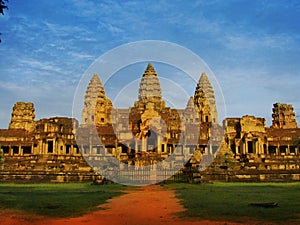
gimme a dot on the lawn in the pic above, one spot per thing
(56, 200)
(230, 201)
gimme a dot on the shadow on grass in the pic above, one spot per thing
(57, 200)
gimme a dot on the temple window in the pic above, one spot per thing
(15, 150)
(50, 146)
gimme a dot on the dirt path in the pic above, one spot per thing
(149, 205)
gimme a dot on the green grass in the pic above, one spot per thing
(230, 201)
(56, 200)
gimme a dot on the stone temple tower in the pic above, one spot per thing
(150, 119)
(150, 90)
(204, 99)
(23, 116)
(283, 116)
(97, 106)
(149, 86)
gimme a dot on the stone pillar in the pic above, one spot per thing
(158, 145)
(44, 146)
(278, 150)
(32, 149)
(256, 149)
(55, 150)
(9, 151)
(210, 150)
(20, 150)
(287, 152)
(246, 147)
(144, 144)
(136, 146)
(237, 150)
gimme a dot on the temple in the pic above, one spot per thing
(241, 149)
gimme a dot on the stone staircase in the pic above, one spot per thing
(254, 168)
(46, 168)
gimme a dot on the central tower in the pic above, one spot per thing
(150, 86)
(151, 121)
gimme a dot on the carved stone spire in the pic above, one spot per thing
(95, 100)
(191, 112)
(204, 99)
(149, 86)
(23, 116)
(190, 105)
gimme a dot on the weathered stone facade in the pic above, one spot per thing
(253, 152)
(283, 116)
(23, 116)
(149, 132)
(41, 151)
(250, 136)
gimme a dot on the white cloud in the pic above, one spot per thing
(44, 66)
(250, 41)
(81, 55)
(63, 30)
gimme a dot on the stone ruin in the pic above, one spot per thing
(283, 116)
(55, 149)
(23, 116)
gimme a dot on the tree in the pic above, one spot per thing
(3, 6)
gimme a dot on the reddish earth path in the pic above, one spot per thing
(149, 205)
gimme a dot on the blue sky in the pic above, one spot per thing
(253, 48)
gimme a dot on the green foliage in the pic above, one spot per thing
(56, 200)
(227, 160)
(230, 201)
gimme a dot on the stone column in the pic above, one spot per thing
(55, 150)
(45, 147)
(210, 149)
(136, 146)
(10, 152)
(237, 150)
(158, 145)
(278, 150)
(32, 149)
(20, 150)
(41, 147)
(90, 150)
(144, 143)
(287, 152)
(246, 147)
(256, 149)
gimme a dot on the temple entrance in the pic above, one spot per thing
(250, 147)
(152, 141)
